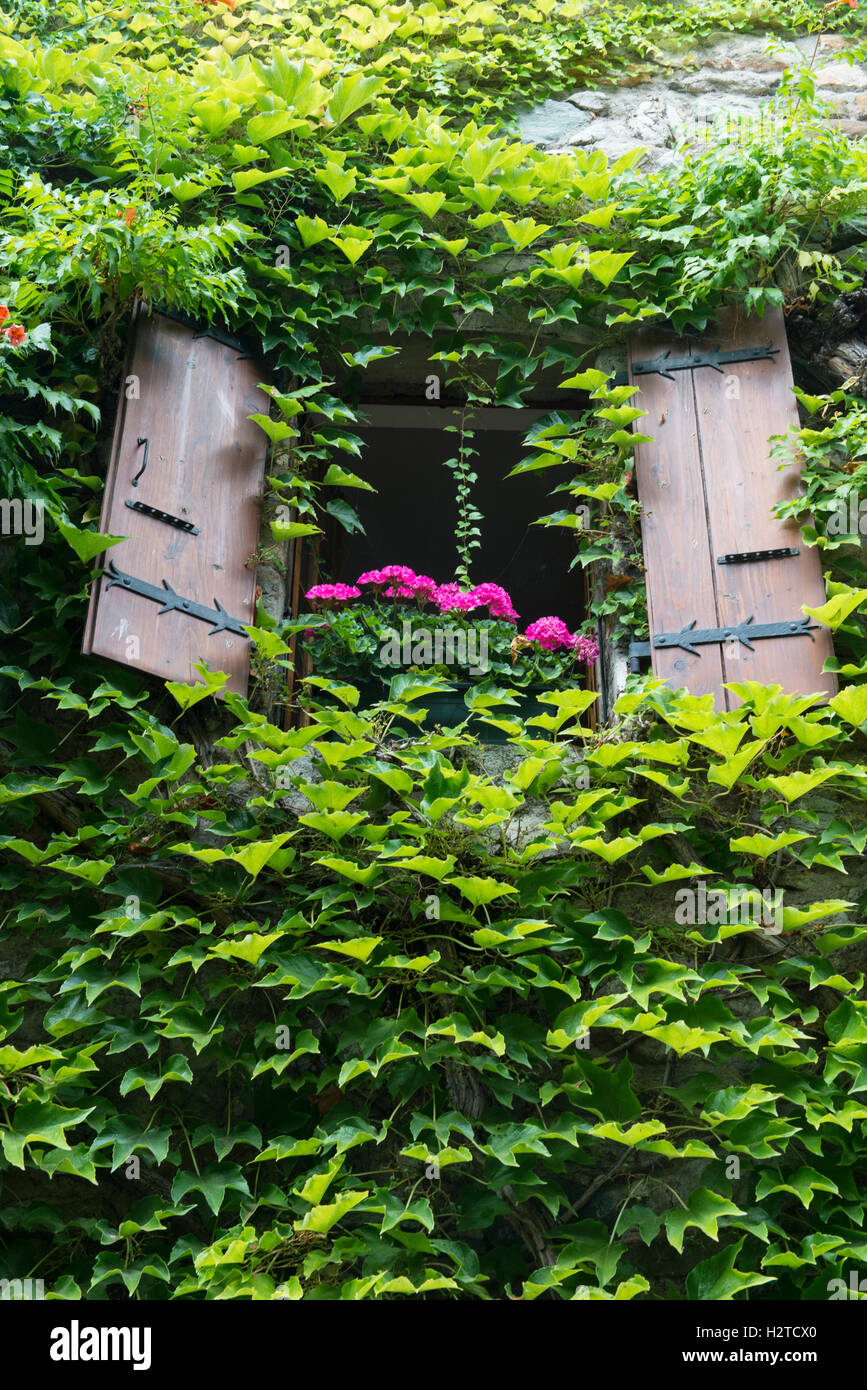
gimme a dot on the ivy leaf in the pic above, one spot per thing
(351, 93)
(704, 1210)
(340, 182)
(334, 824)
(360, 948)
(269, 125)
(339, 477)
(248, 948)
(762, 846)
(352, 247)
(213, 1183)
(481, 890)
(427, 203)
(176, 1068)
(35, 1122)
(312, 230)
(851, 703)
(605, 265)
(86, 544)
(291, 530)
(249, 178)
(590, 380)
(425, 864)
(797, 784)
(716, 1280)
(803, 1184)
(322, 1218)
(189, 695)
(835, 612)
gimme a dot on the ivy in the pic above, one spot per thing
(330, 1011)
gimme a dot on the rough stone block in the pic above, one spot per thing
(856, 130)
(841, 76)
(590, 101)
(739, 82)
(552, 123)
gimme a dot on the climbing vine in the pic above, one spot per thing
(330, 1011)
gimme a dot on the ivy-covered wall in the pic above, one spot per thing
(403, 1020)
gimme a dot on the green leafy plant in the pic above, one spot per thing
(329, 1010)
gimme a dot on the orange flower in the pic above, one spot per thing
(835, 4)
(4, 313)
(15, 334)
(129, 216)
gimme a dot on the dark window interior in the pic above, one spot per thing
(410, 520)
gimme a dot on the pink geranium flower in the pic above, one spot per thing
(496, 600)
(451, 598)
(553, 634)
(398, 581)
(423, 587)
(332, 593)
(585, 648)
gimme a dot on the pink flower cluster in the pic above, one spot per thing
(338, 593)
(401, 582)
(553, 634)
(451, 598)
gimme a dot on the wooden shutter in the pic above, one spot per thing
(178, 589)
(707, 485)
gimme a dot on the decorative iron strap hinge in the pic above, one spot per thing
(690, 637)
(244, 350)
(665, 364)
(170, 601)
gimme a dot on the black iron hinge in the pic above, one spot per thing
(746, 632)
(665, 364)
(206, 330)
(170, 601)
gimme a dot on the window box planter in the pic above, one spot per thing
(406, 624)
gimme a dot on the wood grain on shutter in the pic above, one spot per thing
(206, 463)
(707, 485)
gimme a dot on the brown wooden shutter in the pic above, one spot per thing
(707, 485)
(180, 584)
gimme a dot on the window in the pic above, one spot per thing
(410, 519)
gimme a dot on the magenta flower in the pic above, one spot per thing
(399, 581)
(423, 587)
(373, 577)
(585, 648)
(497, 601)
(553, 634)
(451, 598)
(332, 593)
(401, 574)
(377, 579)
(550, 633)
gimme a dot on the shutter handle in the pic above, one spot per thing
(146, 442)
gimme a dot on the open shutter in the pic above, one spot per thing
(184, 485)
(707, 485)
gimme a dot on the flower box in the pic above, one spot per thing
(407, 623)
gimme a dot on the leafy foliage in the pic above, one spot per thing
(326, 1012)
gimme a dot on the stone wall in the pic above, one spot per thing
(730, 81)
